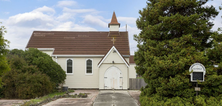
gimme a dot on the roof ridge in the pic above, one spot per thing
(114, 20)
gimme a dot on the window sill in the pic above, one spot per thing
(89, 74)
(69, 74)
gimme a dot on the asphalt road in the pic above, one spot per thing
(114, 98)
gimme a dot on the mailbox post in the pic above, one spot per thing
(198, 74)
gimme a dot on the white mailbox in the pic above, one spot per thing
(198, 73)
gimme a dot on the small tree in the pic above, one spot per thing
(3, 50)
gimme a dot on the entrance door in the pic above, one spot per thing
(113, 79)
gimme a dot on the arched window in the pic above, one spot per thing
(88, 66)
(69, 66)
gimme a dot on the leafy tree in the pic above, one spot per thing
(46, 65)
(174, 35)
(43, 62)
(3, 50)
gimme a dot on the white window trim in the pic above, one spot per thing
(86, 67)
(72, 66)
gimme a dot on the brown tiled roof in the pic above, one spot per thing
(114, 20)
(131, 59)
(79, 43)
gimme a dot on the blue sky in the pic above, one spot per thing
(22, 17)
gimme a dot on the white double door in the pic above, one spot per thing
(113, 79)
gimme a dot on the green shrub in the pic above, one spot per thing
(18, 84)
(25, 81)
(200, 100)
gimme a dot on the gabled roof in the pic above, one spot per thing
(102, 60)
(79, 43)
(114, 20)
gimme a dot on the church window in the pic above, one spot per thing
(69, 67)
(89, 66)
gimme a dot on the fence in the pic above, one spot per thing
(136, 83)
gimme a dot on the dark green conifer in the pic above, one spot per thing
(174, 35)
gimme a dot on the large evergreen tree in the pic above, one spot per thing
(3, 50)
(174, 35)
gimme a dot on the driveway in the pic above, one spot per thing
(114, 98)
(100, 98)
(11, 102)
(92, 94)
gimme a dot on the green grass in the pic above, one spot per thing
(71, 91)
(35, 101)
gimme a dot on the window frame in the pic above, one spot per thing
(86, 67)
(72, 66)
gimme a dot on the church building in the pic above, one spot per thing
(91, 60)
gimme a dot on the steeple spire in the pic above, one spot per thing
(114, 20)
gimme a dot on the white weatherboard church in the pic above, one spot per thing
(91, 60)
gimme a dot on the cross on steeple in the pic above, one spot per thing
(113, 40)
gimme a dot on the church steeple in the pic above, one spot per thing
(114, 24)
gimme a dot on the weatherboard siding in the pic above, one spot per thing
(132, 71)
(79, 78)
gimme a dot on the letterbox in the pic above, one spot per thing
(198, 73)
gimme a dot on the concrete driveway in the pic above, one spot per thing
(92, 94)
(100, 98)
(114, 98)
(11, 102)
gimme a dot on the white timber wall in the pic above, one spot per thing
(132, 71)
(79, 78)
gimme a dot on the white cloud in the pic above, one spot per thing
(36, 18)
(1, 20)
(18, 36)
(66, 3)
(94, 21)
(82, 28)
(70, 26)
(45, 9)
(79, 10)
(65, 16)
(127, 20)
(67, 26)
